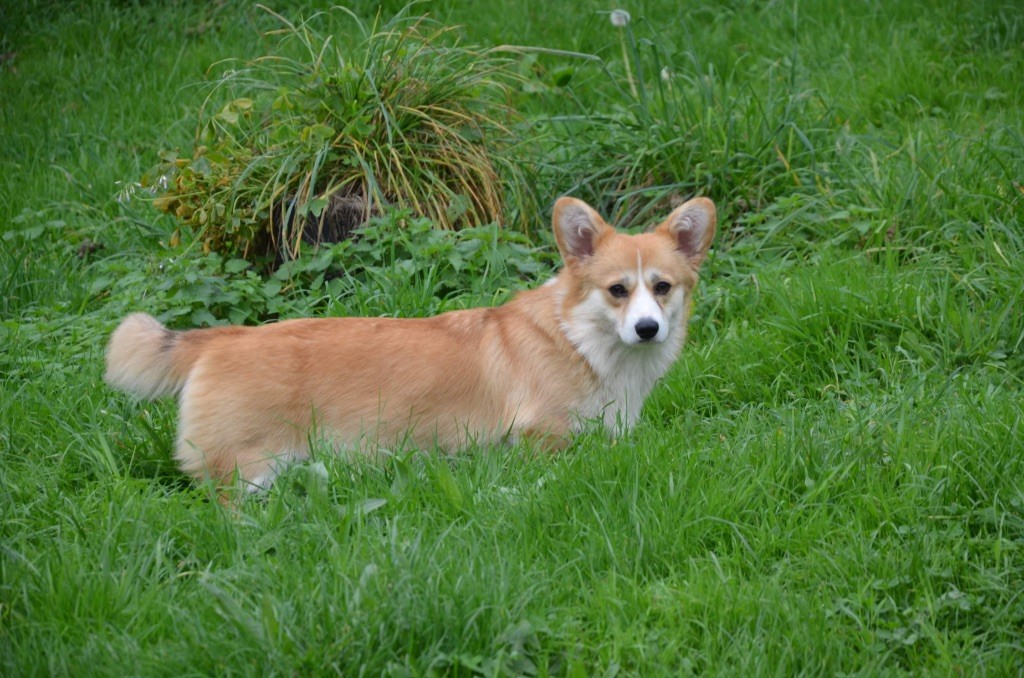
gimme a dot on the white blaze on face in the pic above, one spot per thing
(643, 311)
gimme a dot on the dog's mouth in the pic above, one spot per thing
(636, 340)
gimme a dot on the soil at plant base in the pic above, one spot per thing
(343, 214)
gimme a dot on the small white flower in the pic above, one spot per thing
(127, 191)
(619, 17)
(666, 75)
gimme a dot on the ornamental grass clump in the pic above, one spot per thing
(313, 140)
(669, 125)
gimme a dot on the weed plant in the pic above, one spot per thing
(676, 127)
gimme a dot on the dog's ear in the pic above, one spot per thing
(578, 229)
(692, 226)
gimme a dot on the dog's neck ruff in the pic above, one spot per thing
(625, 373)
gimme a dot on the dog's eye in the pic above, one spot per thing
(618, 291)
(662, 287)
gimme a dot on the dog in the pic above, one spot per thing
(588, 344)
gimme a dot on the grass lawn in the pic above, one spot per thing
(830, 481)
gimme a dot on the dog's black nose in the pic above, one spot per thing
(646, 329)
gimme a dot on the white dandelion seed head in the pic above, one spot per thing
(619, 17)
(666, 74)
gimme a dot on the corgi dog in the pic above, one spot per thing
(588, 344)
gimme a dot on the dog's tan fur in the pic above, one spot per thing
(249, 396)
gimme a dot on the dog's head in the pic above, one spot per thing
(639, 285)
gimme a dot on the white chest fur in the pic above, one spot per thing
(626, 373)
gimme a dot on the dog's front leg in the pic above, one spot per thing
(550, 436)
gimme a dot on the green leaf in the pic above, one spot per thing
(314, 206)
(24, 234)
(100, 284)
(228, 116)
(236, 265)
(446, 482)
(272, 287)
(203, 317)
(321, 261)
(364, 507)
(458, 206)
(201, 166)
(360, 128)
(317, 132)
(562, 76)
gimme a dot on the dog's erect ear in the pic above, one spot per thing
(692, 226)
(578, 229)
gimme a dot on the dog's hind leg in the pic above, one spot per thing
(226, 439)
(254, 468)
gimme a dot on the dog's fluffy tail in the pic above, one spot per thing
(144, 358)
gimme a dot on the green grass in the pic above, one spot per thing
(831, 480)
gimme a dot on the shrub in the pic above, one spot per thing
(311, 142)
